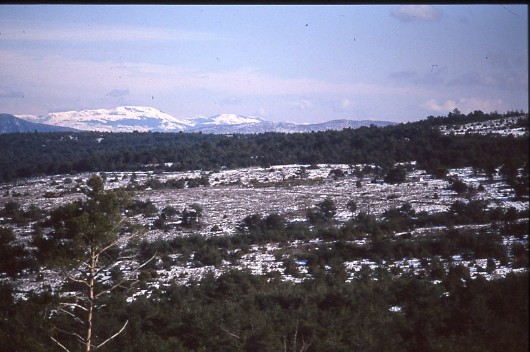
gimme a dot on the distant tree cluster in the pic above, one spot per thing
(456, 117)
(28, 155)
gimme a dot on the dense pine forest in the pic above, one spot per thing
(242, 312)
(432, 309)
(35, 154)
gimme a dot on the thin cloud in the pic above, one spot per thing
(465, 105)
(302, 104)
(433, 105)
(473, 79)
(10, 93)
(345, 103)
(499, 59)
(510, 80)
(231, 101)
(29, 31)
(117, 93)
(433, 77)
(56, 76)
(416, 13)
(261, 112)
(341, 105)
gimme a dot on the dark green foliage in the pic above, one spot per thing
(81, 226)
(242, 312)
(147, 208)
(352, 206)
(399, 219)
(27, 155)
(396, 175)
(520, 254)
(191, 216)
(82, 242)
(323, 213)
(14, 257)
(13, 213)
(256, 229)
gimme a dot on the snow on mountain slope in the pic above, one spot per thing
(223, 119)
(120, 119)
(285, 127)
(142, 119)
(12, 124)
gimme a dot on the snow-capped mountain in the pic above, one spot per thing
(120, 119)
(262, 126)
(223, 119)
(12, 124)
(143, 119)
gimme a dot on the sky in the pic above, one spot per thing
(297, 63)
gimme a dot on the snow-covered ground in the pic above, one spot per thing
(504, 126)
(289, 190)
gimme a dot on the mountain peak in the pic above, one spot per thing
(144, 118)
(227, 119)
(120, 119)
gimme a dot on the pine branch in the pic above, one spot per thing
(229, 333)
(70, 277)
(75, 317)
(79, 338)
(57, 342)
(113, 336)
(119, 284)
(74, 305)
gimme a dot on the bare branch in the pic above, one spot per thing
(74, 305)
(70, 277)
(146, 262)
(75, 317)
(57, 342)
(82, 340)
(119, 284)
(113, 336)
(305, 346)
(85, 264)
(129, 257)
(229, 333)
(112, 243)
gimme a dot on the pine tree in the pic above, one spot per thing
(83, 243)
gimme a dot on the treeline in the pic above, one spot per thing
(238, 311)
(455, 117)
(389, 237)
(242, 312)
(36, 154)
(338, 246)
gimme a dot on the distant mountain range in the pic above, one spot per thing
(12, 124)
(143, 119)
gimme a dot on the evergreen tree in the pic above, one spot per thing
(82, 244)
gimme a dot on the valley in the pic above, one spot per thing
(197, 242)
(290, 191)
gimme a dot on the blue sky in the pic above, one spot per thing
(283, 63)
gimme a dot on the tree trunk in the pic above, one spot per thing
(91, 273)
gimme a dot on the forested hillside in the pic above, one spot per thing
(27, 155)
(243, 312)
(404, 238)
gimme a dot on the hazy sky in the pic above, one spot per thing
(291, 63)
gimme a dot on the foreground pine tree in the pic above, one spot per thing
(84, 243)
